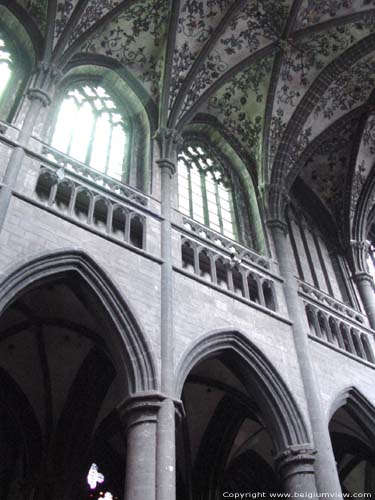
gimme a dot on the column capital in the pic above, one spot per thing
(277, 199)
(362, 276)
(278, 224)
(143, 407)
(167, 166)
(46, 75)
(296, 459)
(359, 244)
(39, 95)
(169, 141)
(359, 251)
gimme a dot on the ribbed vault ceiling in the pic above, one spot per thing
(290, 81)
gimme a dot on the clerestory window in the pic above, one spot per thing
(91, 129)
(205, 191)
(6, 64)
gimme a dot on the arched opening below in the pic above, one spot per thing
(223, 444)
(57, 346)
(354, 452)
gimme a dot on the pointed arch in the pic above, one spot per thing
(126, 336)
(28, 33)
(24, 48)
(358, 407)
(276, 402)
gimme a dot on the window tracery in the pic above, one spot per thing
(90, 128)
(205, 191)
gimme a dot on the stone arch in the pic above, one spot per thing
(352, 433)
(276, 402)
(23, 40)
(358, 406)
(135, 358)
(31, 36)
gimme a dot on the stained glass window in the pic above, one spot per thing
(94, 480)
(205, 192)
(90, 129)
(5, 67)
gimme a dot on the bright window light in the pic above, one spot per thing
(5, 67)
(204, 190)
(90, 129)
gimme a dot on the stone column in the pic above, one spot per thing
(359, 254)
(139, 415)
(168, 141)
(365, 287)
(325, 466)
(296, 469)
(39, 96)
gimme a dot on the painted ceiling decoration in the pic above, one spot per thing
(136, 39)
(313, 12)
(275, 74)
(365, 160)
(326, 171)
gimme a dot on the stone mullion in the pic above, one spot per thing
(218, 204)
(317, 326)
(52, 195)
(206, 214)
(245, 284)
(360, 344)
(191, 207)
(262, 299)
(353, 350)
(340, 340)
(108, 226)
(328, 329)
